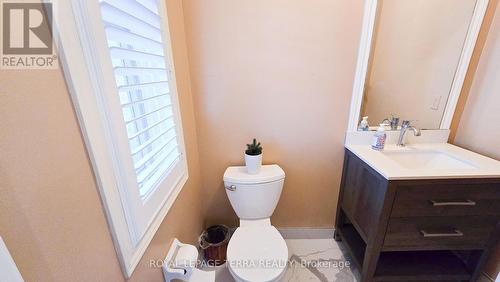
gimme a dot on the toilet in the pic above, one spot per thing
(256, 252)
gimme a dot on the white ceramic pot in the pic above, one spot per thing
(253, 163)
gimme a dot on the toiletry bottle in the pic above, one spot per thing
(378, 142)
(363, 125)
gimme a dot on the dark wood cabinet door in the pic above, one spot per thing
(447, 198)
(439, 233)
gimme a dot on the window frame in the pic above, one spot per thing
(89, 77)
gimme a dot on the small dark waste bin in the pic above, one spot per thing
(213, 241)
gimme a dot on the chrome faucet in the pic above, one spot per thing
(404, 127)
(393, 122)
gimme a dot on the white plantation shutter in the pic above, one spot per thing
(117, 60)
(142, 75)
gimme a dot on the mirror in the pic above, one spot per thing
(416, 50)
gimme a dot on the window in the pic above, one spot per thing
(122, 80)
(135, 44)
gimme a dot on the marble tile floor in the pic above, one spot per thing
(315, 260)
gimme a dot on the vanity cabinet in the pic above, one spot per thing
(416, 230)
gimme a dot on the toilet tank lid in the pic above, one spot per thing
(239, 174)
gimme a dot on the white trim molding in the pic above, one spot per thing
(365, 47)
(369, 19)
(8, 267)
(88, 75)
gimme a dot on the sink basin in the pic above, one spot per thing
(418, 159)
(426, 161)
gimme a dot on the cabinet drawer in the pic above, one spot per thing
(421, 233)
(455, 199)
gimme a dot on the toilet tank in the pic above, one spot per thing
(254, 196)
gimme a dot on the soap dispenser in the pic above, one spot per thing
(363, 125)
(378, 142)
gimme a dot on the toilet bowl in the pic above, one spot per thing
(256, 252)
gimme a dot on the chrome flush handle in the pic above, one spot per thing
(231, 188)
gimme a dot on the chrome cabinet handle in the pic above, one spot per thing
(452, 203)
(455, 233)
(231, 188)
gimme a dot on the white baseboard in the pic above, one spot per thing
(306, 233)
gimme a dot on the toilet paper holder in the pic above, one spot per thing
(180, 263)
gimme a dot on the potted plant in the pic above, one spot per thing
(253, 157)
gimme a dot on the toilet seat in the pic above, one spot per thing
(257, 254)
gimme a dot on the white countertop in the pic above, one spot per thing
(480, 166)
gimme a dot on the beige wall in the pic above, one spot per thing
(416, 49)
(280, 71)
(51, 216)
(479, 126)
